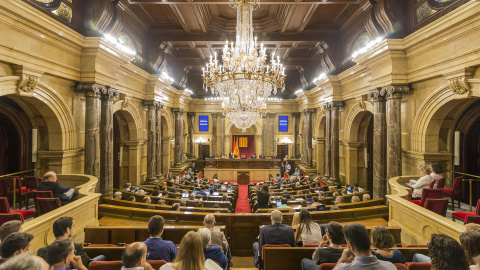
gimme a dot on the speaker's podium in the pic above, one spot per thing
(243, 177)
(243, 170)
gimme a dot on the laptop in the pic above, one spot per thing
(216, 193)
(229, 190)
(223, 187)
(195, 192)
(185, 195)
(279, 203)
(214, 186)
(321, 207)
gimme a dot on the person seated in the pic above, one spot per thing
(366, 197)
(356, 190)
(262, 156)
(127, 187)
(253, 156)
(176, 207)
(50, 183)
(275, 234)
(359, 188)
(333, 238)
(61, 255)
(134, 257)
(191, 197)
(159, 249)
(63, 229)
(213, 253)
(470, 242)
(15, 244)
(286, 158)
(334, 207)
(296, 172)
(10, 227)
(25, 261)
(132, 198)
(243, 156)
(315, 201)
(383, 242)
(117, 195)
(308, 231)
(147, 199)
(445, 253)
(156, 191)
(339, 200)
(217, 237)
(355, 199)
(423, 182)
(358, 254)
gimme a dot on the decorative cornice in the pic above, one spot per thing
(376, 95)
(90, 89)
(297, 114)
(29, 79)
(178, 111)
(152, 104)
(271, 115)
(309, 111)
(337, 104)
(327, 106)
(108, 93)
(459, 85)
(394, 91)
(361, 103)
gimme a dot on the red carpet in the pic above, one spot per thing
(242, 203)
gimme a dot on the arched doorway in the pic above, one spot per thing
(166, 144)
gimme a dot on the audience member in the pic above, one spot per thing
(25, 261)
(470, 227)
(308, 231)
(339, 200)
(176, 207)
(127, 187)
(50, 183)
(446, 253)
(134, 257)
(276, 234)
(366, 197)
(191, 255)
(334, 207)
(61, 255)
(423, 182)
(315, 201)
(213, 253)
(470, 242)
(159, 249)
(383, 242)
(117, 195)
(148, 200)
(355, 199)
(358, 254)
(10, 227)
(63, 229)
(15, 244)
(436, 172)
(132, 198)
(359, 188)
(331, 254)
(218, 237)
(263, 197)
(284, 203)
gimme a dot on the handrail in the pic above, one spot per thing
(15, 173)
(466, 174)
(14, 184)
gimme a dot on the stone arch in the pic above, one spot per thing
(133, 118)
(320, 124)
(166, 113)
(354, 120)
(431, 129)
(55, 111)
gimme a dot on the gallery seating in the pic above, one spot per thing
(463, 215)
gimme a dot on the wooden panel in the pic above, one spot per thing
(121, 236)
(99, 236)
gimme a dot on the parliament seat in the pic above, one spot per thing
(428, 193)
(454, 192)
(5, 209)
(438, 206)
(472, 219)
(9, 217)
(418, 266)
(108, 265)
(463, 215)
(46, 205)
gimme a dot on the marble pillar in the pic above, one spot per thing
(159, 145)
(272, 133)
(379, 144)
(178, 157)
(393, 94)
(191, 133)
(106, 140)
(295, 119)
(151, 139)
(308, 113)
(335, 141)
(222, 134)
(304, 139)
(328, 163)
(264, 134)
(92, 135)
(214, 133)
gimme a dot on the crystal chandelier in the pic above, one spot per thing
(243, 78)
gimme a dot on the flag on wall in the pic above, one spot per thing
(243, 141)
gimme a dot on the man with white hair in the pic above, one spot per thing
(275, 234)
(117, 195)
(213, 253)
(355, 199)
(218, 237)
(366, 197)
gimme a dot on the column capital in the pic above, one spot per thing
(178, 111)
(271, 115)
(222, 115)
(264, 115)
(151, 104)
(309, 111)
(394, 91)
(108, 93)
(327, 106)
(297, 114)
(191, 114)
(376, 95)
(215, 114)
(337, 104)
(90, 89)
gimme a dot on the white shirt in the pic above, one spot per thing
(422, 183)
(314, 236)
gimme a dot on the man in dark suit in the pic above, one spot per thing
(50, 183)
(275, 234)
(194, 169)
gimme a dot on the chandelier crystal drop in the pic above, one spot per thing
(244, 78)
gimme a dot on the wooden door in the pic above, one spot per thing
(282, 151)
(204, 151)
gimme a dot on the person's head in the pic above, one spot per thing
(335, 232)
(10, 227)
(265, 188)
(117, 195)
(424, 169)
(470, 242)
(147, 199)
(276, 217)
(344, 192)
(190, 255)
(366, 197)
(134, 255)
(193, 164)
(335, 194)
(315, 199)
(435, 167)
(469, 227)
(339, 200)
(15, 244)
(63, 227)
(355, 199)
(25, 261)
(132, 198)
(206, 235)
(446, 253)
(209, 221)
(284, 200)
(50, 176)
(381, 238)
(216, 206)
(155, 225)
(356, 190)
(61, 252)
(192, 196)
(161, 202)
(155, 192)
(358, 240)
(304, 204)
(334, 207)
(176, 207)
(141, 192)
(305, 216)
(127, 185)
(183, 203)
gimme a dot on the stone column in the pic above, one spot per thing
(295, 118)
(272, 133)
(151, 139)
(308, 114)
(393, 94)
(214, 133)
(106, 140)
(92, 135)
(191, 132)
(159, 145)
(379, 144)
(222, 134)
(264, 134)
(178, 136)
(328, 162)
(335, 141)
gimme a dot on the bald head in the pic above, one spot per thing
(50, 176)
(134, 255)
(209, 221)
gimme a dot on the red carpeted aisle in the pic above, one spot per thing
(242, 203)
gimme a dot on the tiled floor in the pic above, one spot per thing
(463, 208)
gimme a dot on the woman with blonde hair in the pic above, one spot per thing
(190, 255)
(423, 182)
